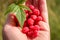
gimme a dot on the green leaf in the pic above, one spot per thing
(10, 8)
(21, 16)
(25, 7)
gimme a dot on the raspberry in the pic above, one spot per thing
(30, 21)
(31, 7)
(26, 11)
(29, 34)
(36, 22)
(27, 15)
(30, 13)
(33, 17)
(36, 12)
(39, 18)
(25, 29)
(35, 34)
(31, 27)
(25, 24)
(36, 27)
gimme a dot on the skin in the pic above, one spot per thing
(12, 32)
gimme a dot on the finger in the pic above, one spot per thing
(11, 20)
(44, 25)
(43, 9)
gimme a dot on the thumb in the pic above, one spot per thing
(11, 20)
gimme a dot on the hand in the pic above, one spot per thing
(41, 5)
(11, 31)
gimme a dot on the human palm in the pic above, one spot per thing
(11, 31)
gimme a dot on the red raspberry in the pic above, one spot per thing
(30, 13)
(36, 23)
(31, 27)
(33, 17)
(25, 30)
(30, 21)
(27, 15)
(35, 34)
(36, 27)
(31, 7)
(36, 12)
(26, 11)
(29, 34)
(39, 18)
(25, 24)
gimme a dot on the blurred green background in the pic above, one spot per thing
(54, 17)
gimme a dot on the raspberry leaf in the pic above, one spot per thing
(21, 16)
(18, 9)
(10, 8)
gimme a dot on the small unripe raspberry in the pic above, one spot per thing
(31, 7)
(30, 21)
(39, 18)
(25, 30)
(33, 17)
(36, 12)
